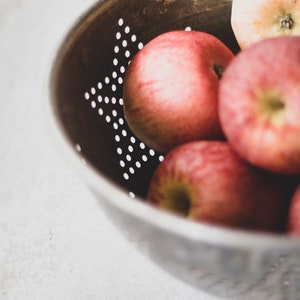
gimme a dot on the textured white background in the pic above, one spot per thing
(55, 242)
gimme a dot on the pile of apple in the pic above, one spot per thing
(228, 125)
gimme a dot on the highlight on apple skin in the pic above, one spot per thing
(170, 89)
(259, 104)
(255, 20)
(206, 181)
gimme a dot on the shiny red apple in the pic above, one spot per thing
(259, 104)
(207, 181)
(171, 86)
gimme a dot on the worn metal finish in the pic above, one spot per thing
(86, 104)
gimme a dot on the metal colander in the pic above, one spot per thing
(86, 110)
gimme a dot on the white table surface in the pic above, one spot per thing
(55, 242)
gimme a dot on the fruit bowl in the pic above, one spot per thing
(85, 107)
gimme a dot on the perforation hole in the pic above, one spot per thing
(124, 132)
(114, 74)
(127, 29)
(119, 151)
(93, 104)
(151, 152)
(130, 148)
(131, 195)
(116, 49)
(133, 38)
(118, 35)
(121, 121)
(121, 22)
(115, 62)
(122, 69)
(127, 53)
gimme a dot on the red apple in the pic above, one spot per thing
(293, 227)
(207, 181)
(171, 86)
(255, 20)
(259, 104)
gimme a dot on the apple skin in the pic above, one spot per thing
(206, 181)
(171, 88)
(293, 224)
(256, 20)
(259, 105)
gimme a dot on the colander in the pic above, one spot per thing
(86, 111)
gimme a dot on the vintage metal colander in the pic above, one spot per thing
(86, 111)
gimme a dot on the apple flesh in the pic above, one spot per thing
(206, 181)
(171, 86)
(256, 20)
(259, 104)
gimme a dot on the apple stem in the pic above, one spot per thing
(219, 69)
(286, 22)
(277, 105)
